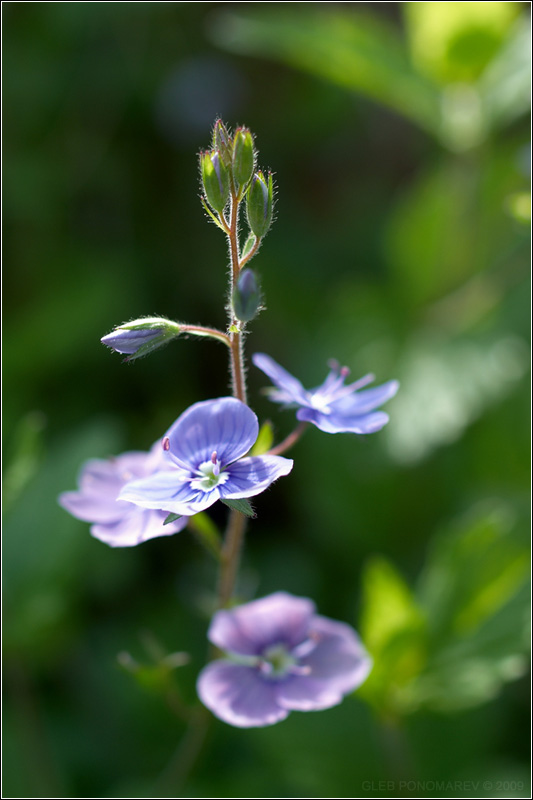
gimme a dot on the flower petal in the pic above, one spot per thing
(169, 490)
(281, 378)
(338, 423)
(226, 426)
(141, 525)
(337, 665)
(239, 695)
(365, 400)
(279, 618)
(92, 507)
(251, 476)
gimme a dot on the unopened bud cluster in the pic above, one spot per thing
(228, 172)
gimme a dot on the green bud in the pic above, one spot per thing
(243, 156)
(246, 296)
(215, 179)
(141, 336)
(259, 203)
(222, 142)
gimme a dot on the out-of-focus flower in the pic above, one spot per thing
(332, 406)
(281, 657)
(119, 523)
(207, 444)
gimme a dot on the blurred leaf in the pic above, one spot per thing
(393, 628)
(26, 458)
(464, 634)
(455, 41)
(505, 86)
(357, 51)
(264, 440)
(206, 532)
(449, 225)
(171, 517)
(458, 380)
(472, 572)
(475, 594)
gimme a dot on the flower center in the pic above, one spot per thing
(276, 662)
(209, 475)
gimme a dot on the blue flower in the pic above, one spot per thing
(116, 522)
(332, 406)
(207, 445)
(281, 657)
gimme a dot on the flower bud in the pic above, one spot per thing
(259, 203)
(222, 142)
(141, 336)
(243, 156)
(246, 296)
(215, 178)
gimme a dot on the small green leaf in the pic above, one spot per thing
(172, 518)
(264, 440)
(241, 505)
(249, 243)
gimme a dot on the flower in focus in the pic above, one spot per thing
(281, 657)
(117, 522)
(207, 444)
(332, 406)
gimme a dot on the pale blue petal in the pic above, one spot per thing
(290, 386)
(169, 491)
(226, 426)
(337, 423)
(365, 400)
(251, 476)
(141, 525)
(239, 695)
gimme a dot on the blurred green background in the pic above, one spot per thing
(398, 133)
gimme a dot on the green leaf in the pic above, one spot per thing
(264, 440)
(249, 243)
(241, 505)
(172, 518)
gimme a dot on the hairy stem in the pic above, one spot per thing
(231, 549)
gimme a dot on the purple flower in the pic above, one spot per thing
(117, 522)
(332, 406)
(282, 657)
(207, 444)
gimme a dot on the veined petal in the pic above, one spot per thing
(141, 525)
(281, 378)
(226, 426)
(366, 400)
(168, 491)
(239, 695)
(249, 629)
(252, 475)
(337, 423)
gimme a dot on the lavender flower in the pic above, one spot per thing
(117, 522)
(282, 657)
(207, 444)
(332, 406)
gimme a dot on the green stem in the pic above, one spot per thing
(200, 330)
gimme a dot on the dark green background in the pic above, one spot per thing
(400, 247)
